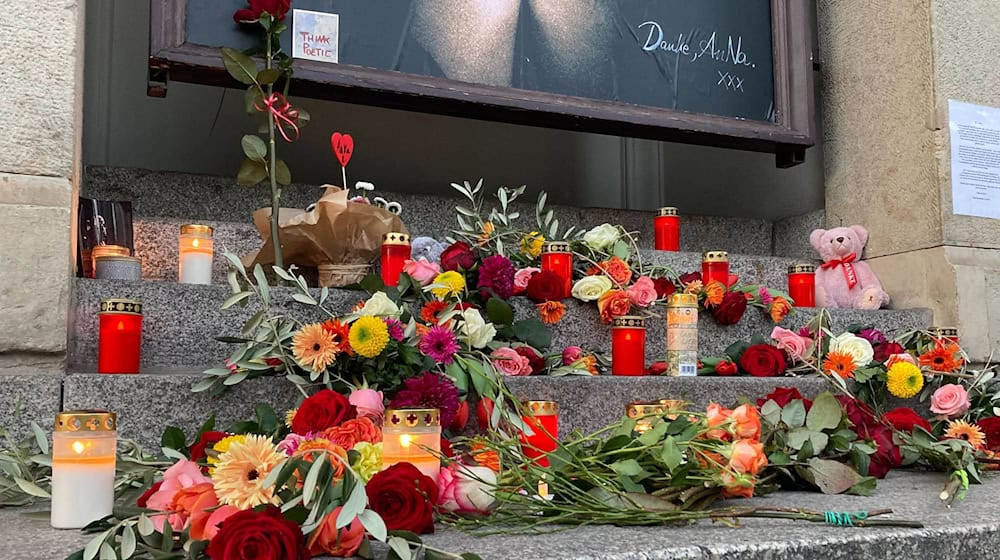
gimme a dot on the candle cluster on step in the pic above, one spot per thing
(542, 417)
(628, 346)
(412, 435)
(194, 264)
(120, 336)
(667, 230)
(83, 467)
(395, 253)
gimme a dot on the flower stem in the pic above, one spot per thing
(272, 169)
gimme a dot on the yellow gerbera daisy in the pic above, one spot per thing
(289, 416)
(368, 336)
(452, 283)
(314, 347)
(904, 380)
(960, 429)
(531, 244)
(240, 473)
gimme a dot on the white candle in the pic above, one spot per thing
(83, 468)
(196, 250)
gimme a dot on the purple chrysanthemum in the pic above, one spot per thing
(440, 344)
(395, 329)
(496, 277)
(874, 336)
(430, 390)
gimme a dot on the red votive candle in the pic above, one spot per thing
(628, 346)
(557, 257)
(949, 334)
(395, 252)
(667, 230)
(715, 266)
(802, 284)
(120, 336)
(543, 418)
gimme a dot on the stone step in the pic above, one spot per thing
(181, 320)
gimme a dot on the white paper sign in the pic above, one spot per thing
(975, 159)
(315, 36)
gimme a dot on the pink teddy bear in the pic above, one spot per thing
(843, 280)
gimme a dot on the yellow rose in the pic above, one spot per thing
(591, 288)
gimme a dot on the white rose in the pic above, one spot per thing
(854, 346)
(379, 305)
(591, 288)
(478, 332)
(601, 237)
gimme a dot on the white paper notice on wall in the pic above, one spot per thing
(315, 36)
(975, 159)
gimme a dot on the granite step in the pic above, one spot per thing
(181, 320)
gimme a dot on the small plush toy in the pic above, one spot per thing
(843, 280)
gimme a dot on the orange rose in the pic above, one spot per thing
(617, 270)
(710, 460)
(747, 422)
(779, 309)
(614, 303)
(747, 457)
(309, 450)
(717, 416)
(205, 525)
(737, 486)
(328, 540)
(194, 499)
(714, 292)
(353, 432)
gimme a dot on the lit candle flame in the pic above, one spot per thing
(543, 489)
(78, 447)
(405, 440)
(194, 243)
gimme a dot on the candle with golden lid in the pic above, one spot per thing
(395, 253)
(195, 253)
(412, 435)
(83, 467)
(682, 335)
(542, 417)
(558, 257)
(802, 284)
(666, 229)
(715, 267)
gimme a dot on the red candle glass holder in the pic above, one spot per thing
(802, 284)
(667, 230)
(715, 266)
(395, 252)
(948, 334)
(557, 257)
(543, 419)
(628, 346)
(120, 338)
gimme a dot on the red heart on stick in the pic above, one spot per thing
(343, 147)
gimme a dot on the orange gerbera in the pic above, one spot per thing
(486, 457)
(780, 309)
(429, 312)
(551, 311)
(960, 429)
(839, 363)
(714, 292)
(314, 348)
(339, 332)
(486, 233)
(942, 358)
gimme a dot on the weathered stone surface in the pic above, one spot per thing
(791, 235)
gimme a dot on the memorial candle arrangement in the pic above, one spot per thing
(195, 254)
(412, 435)
(667, 230)
(682, 335)
(715, 266)
(83, 467)
(120, 336)
(395, 252)
(802, 284)
(543, 419)
(557, 257)
(628, 346)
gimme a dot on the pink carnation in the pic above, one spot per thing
(509, 362)
(521, 278)
(183, 474)
(422, 270)
(643, 292)
(795, 345)
(950, 400)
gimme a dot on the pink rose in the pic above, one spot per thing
(183, 474)
(571, 354)
(903, 357)
(643, 292)
(950, 400)
(521, 278)
(422, 270)
(466, 489)
(509, 362)
(796, 346)
(369, 403)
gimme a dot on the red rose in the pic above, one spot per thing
(404, 497)
(458, 256)
(763, 360)
(991, 427)
(689, 277)
(904, 419)
(731, 309)
(144, 499)
(264, 534)
(277, 9)
(656, 368)
(883, 351)
(325, 409)
(725, 368)
(664, 287)
(546, 286)
(207, 439)
(857, 412)
(784, 395)
(537, 362)
(887, 455)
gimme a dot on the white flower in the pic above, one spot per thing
(854, 346)
(601, 237)
(477, 331)
(379, 305)
(591, 288)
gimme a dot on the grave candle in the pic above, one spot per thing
(802, 284)
(412, 435)
(949, 334)
(543, 419)
(101, 251)
(682, 335)
(120, 336)
(83, 467)
(195, 264)
(645, 414)
(628, 346)
(395, 252)
(557, 257)
(715, 266)
(667, 230)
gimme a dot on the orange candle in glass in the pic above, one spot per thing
(543, 419)
(412, 435)
(395, 252)
(557, 257)
(120, 338)
(715, 266)
(628, 346)
(802, 284)
(667, 230)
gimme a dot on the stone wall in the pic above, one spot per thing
(39, 166)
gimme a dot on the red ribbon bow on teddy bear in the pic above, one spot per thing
(849, 274)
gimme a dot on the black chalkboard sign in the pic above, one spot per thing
(723, 72)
